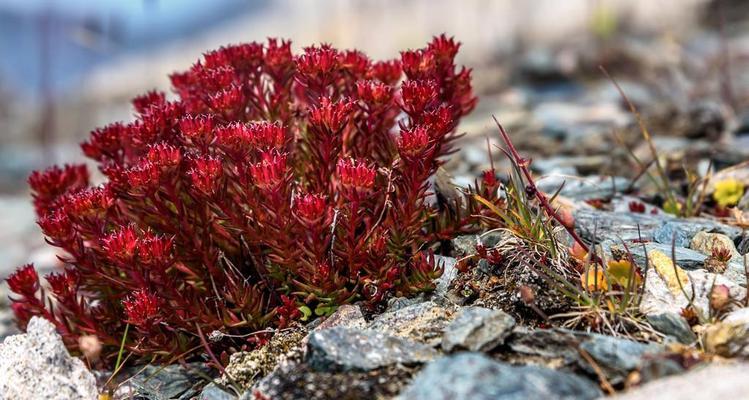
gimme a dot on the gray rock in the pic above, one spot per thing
(421, 322)
(672, 325)
(598, 226)
(592, 187)
(706, 242)
(36, 365)
(616, 357)
(347, 315)
(477, 377)
(714, 381)
(213, 392)
(465, 245)
(477, 329)
(657, 298)
(159, 382)
(686, 258)
(362, 350)
(449, 273)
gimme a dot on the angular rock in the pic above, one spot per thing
(730, 337)
(658, 298)
(299, 381)
(213, 392)
(597, 225)
(36, 365)
(711, 382)
(593, 187)
(616, 357)
(672, 325)
(477, 329)
(705, 243)
(158, 382)
(346, 349)
(477, 377)
(346, 315)
(421, 322)
(449, 272)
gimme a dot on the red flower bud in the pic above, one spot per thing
(417, 64)
(121, 245)
(414, 143)
(197, 127)
(355, 63)
(228, 101)
(144, 102)
(310, 208)
(355, 176)
(143, 177)
(142, 309)
(24, 281)
(63, 285)
(164, 155)
(270, 171)
(106, 142)
(374, 93)
(387, 72)
(330, 117)
(49, 185)
(206, 173)
(418, 96)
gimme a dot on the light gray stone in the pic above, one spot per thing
(477, 329)
(477, 377)
(36, 365)
(346, 349)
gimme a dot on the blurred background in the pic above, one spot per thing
(70, 66)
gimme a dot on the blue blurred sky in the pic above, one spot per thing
(75, 35)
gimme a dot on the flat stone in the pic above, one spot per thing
(593, 187)
(362, 350)
(477, 329)
(729, 337)
(164, 382)
(421, 322)
(706, 242)
(36, 365)
(598, 226)
(659, 298)
(213, 392)
(616, 357)
(477, 377)
(672, 325)
(347, 315)
(449, 272)
(709, 382)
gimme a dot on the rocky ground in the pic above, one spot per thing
(476, 336)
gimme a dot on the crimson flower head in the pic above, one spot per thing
(106, 142)
(310, 208)
(387, 72)
(142, 309)
(278, 58)
(418, 96)
(24, 281)
(355, 63)
(197, 127)
(443, 49)
(414, 143)
(205, 174)
(356, 176)
(164, 155)
(267, 135)
(228, 101)
(155, 249)
(270, 171)
(330, 117)
(89, 201)
(64, 285)
(318, 64)
(56, 225)
(143, 102)
(417, 64)
(233, 137)
(244, 56)
(489, 177)
(49, 185)
(143, 177)
(374, 92)
(121, 245)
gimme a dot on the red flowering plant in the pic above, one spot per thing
(273, 184)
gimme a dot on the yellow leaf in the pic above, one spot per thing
(673, 275)
(620, 271)
(593, 280)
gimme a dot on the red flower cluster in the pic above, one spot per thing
(273, 184)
